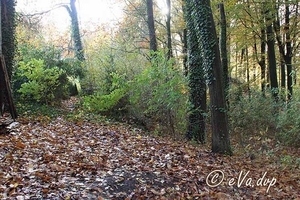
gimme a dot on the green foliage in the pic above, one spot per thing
(159, 93)
(42, 84)
(256, 114)
(104, 103)
(72, 67)
(288, 124)
(199, 14)
(113, 100)
(51, 57)
(109, 73)
(251, 115)
(71, 70)
(34, 110)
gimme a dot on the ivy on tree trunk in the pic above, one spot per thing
(210, 52)
(196, 119)
(8, 21)
(79, 53)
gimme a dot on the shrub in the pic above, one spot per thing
(158, 95)
(115, 100)
(251, 114)
(104, 103)
(73, 69)
(42, 84)
(288, 124)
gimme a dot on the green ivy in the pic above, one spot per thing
(8, 21)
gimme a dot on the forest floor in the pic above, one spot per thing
(43, 158)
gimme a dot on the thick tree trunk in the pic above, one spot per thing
(7, 49)
(213, 67)
(151, 27)
(197, 84)
(8, 18)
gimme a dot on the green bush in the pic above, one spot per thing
(73, 70)
(158, 96)
(110, 102)
(251, 114)
(103, 103)
(42, 84)
(288, 125)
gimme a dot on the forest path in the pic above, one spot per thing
(59, 159)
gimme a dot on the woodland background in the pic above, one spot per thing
(155, 71)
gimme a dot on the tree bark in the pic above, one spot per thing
(289, 49)
(168, 25)
(271, 52)
(262, 60)
(281, 50)
(79, 52)
(207, 38)
(151, 26)
(197, 84)
(8, 20)
(223, 49)
(184, 52)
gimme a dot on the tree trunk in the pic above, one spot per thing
(184, 52)
(151, 27)
(7, 38)
(8, 20)
(262, 62)
(288, 57)
(271, 53)
(168, 25)
(79, 53)
(207, 38)
(223, 47)
(196, 119)
(281, 50)
(262, 59)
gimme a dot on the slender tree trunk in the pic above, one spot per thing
(184, 52)
(223, 50)
(196, 119)
(271, 53)
(79, 53)
(288, 57)
(151, 27)
(281, 50)
(168, 25)
(262, 59)
(262, 62)
(282, 74)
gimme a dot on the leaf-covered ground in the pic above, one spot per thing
(59, 159)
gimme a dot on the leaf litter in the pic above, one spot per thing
(60, 159)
